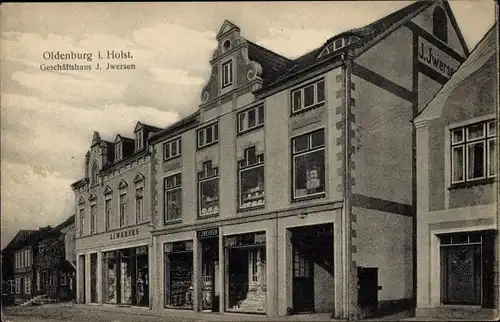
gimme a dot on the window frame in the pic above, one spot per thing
(244, 165)
(260, 118)
(301, 89)
(310, 149)
(81, 217)
(139, 140)
(466, 141)
(27, 285)
(93, 173)
(107, 213)
(215, 135)
(123, 196)
(167, 190)
(224, 82)
(118, 151)
(209, 173)
(139, 206)
(93, 218)
(440, 28)
(178, 143)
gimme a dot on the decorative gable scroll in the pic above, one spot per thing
(231, 46)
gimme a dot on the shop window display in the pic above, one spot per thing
(179, 275)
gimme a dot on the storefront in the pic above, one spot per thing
(209, 246)
(178, 289)
(125, 276)
(245, 257)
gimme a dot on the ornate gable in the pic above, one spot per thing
(96, 138)
(232, 49)
(138, 127)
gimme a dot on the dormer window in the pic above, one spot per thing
(337, 44)
(139, 140)
(118, 151)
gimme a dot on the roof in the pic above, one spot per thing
(19, 239)
(175, 126)
(481, 55)
(366, 34)
(151, 128)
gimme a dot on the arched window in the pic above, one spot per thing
(440, 24)
(94, 173)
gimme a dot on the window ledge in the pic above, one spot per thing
(253, 129)
(201, 217)
(248, 209)
(307, 109)
(311, 197)
(207, 145)
(171, 158)
(172, 222)
(469, 184)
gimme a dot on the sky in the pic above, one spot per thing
(48, 118)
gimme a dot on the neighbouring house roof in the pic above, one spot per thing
(193, 118)
(480, 56)
(18, 239)
(272, 63)
(367, 35)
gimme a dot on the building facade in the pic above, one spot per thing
(112, 243)
(457, 244)
(292, 188)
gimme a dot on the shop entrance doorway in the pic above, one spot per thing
(312, 265)
(209, 244)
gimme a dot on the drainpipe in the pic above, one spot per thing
(346, 220)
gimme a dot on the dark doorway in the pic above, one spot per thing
(368, 291)
(93, 278)
(303, 283)
(238, 276)
(82, 278)
(210, 272)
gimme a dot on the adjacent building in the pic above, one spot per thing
(457, 163)
(113, 215)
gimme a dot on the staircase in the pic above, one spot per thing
(254, 302)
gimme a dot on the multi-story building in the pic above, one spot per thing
(292, 188)
(457, 165)
(112, 221)
(54, 275)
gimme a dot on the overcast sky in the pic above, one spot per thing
(47, 118)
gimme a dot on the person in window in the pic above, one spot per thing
(313, 181)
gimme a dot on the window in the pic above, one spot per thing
(251, 118)
(473, 152)
(118, 151)
(139, 205)
(172, 149)
(172, 210)
(82, 220)
(18, 285)
(208, 135)
(93, 218)
(123, 209)
(227, 74)
(108, 214)
(309, 164)
(27, 285)
(63, 280)
(94, 173)
(308, 96)
(337, 44)
(251, 179)
(440, 24)
(208, 197)
(139, 140)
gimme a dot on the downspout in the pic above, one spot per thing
(346, 220)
